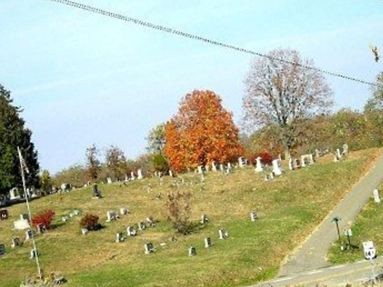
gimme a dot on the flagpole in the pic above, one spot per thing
(22, 167)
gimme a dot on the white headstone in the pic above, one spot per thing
(207, 242)
(221, 167)
(139, 174)
(111, 215)
(200, 169)
(253, 216)
(13, 194)
(375, 192)
(240, 162)
(291, 163)
(170, 173)
(258, 165)
(276, 167)
(192, 251)
(132, 177)
(213, 167)
(123, 211)
(223, 234)
(84, 231)
(149, 248)
(338, 154)
(109, 180)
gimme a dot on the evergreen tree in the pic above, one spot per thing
(13, 133)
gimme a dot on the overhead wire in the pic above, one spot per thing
(207, 40)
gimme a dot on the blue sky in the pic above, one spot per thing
(84, 78)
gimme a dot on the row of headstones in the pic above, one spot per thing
(17, 242)
(132, 231)
(192, 251)
(222, 168)
(73, 213)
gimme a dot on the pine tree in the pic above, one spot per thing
(13, 133)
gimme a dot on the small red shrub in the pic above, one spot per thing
(90, 222)
(45, 218)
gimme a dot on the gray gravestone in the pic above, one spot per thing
(149, 248)
(223, 234)
(192, 251)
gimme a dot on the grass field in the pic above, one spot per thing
(289, 208)
(367, 226)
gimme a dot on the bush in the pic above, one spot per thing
(44, 218)
(178, 205)
(90, 222)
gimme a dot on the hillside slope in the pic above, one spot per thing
(289, 208)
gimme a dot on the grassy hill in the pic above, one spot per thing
(289, 208)
(368, 226)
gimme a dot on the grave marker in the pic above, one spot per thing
(28, 234)
(139, 174)
(111, 216)
(207, 242)
(258, 165)
(131, 231)
(33, 254)
(123, 211)
(204, 219)
(376, 195)
(4, 214)
(223, 234)
(15, 242)
(84, 231)
(149, 248)
(253, 216)
(192, 251)
(276, 167)
(119, 237)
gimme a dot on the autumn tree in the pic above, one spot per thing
(284, 94)
(92, 163)
(115, 162)
(201, 132)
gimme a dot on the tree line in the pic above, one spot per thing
(287, 110)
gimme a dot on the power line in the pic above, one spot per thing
(206, 40)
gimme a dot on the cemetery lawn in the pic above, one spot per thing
(289, 208)
(367, 226)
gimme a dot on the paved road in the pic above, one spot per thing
(355, 273)
(312, 254)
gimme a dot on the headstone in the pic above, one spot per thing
(33, 254)
(376, 195)
(345, 149)
(126, 178)
(204, 219)
(130, 231)
(213, 167)
(221, 167)
(123, 211)
(170, 173)
(276, 167)
(150, 221)
(139, 174)
(28, 234)
(258, 165)
(149, 248)
(338, 154)
(4, 214)
(253, 216)
(141, 226)
(240, 162)
(335, 158)
(317, 153)
(15, 242)
(64, 218)
(119, 237)
(2, 249)
(229, 167)
(200, 169)
(369, 250)
(207, 168)
(291, 163)
(223, 234)
(84, 231)
(41, 228)
(111, 215)
(132, 177)
(76, 212)
(96, 192)
(14, 194)
(192, 251)
(207, 242)
(21, 224)
(109, 180)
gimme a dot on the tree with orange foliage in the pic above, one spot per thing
(201, 132)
